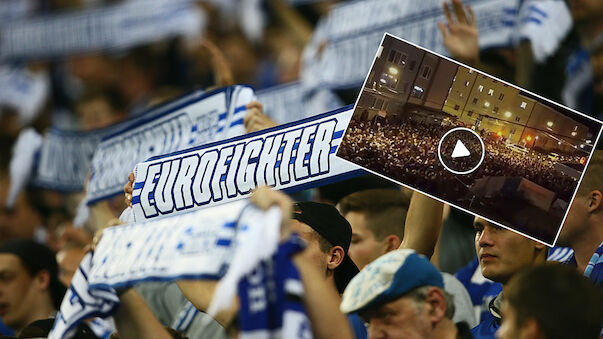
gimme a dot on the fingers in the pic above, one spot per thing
(459, 11)
(471, 16)
(460, 16)
(265, 197)
(255, 119)
(447, 14)
(255, 104)
(443, 29)
(128, 189)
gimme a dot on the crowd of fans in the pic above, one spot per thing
(88, 91)
(407, 151)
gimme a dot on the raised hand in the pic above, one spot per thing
(460, 34)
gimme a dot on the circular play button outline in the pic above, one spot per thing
(478, 138)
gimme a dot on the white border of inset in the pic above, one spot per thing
(478, 138)
(595, 143)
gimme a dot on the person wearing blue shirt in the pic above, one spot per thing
(583, 227)
(502, 253)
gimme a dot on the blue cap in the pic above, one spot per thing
(387, 278)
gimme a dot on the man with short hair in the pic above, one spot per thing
(551, 302)
(502, 254)
(29, 286)
(401, 295)
(583, 227)
(377, 219)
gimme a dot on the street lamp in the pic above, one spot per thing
(507, 114)
(393, 70)
(549, 123)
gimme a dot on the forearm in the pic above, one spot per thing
(134, 319)
(423, 224)
(322, 303)
(200, 294)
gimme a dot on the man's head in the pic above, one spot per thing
(29, 287)
(377, 218)
(553, 302)
(401, 295)
(100, 107)
(586, 211)
(502, 252)
(328, 235)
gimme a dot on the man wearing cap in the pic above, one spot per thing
(401, 295)
(328, 235)
(29, 286)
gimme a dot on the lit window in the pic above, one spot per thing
(467, 83)
(480, 88)
(490, 92)
(523, 105)
(417, 92)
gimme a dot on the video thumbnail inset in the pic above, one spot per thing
(468, 139)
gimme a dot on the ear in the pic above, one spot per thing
(335, 258)
(437, 305)
(42, 280)
(390, 243)
(595, 201)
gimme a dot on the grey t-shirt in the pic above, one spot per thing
(462, 301)
(172, 309)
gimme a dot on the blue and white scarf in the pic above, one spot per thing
(195, 245)
(193, 119)
(24, 91)
(291, 102)
(113, 27)
(594, 268)
(343, 45)
(290, 157)
(271, 298)
(203, 118)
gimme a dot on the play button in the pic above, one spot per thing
(461, 150)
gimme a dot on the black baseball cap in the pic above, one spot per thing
(331, 225)
(37, 257)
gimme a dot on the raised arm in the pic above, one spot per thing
(134, 319)
(423, 224)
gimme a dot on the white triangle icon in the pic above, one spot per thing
(460, 150)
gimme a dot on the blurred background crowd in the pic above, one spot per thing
(268, 44)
